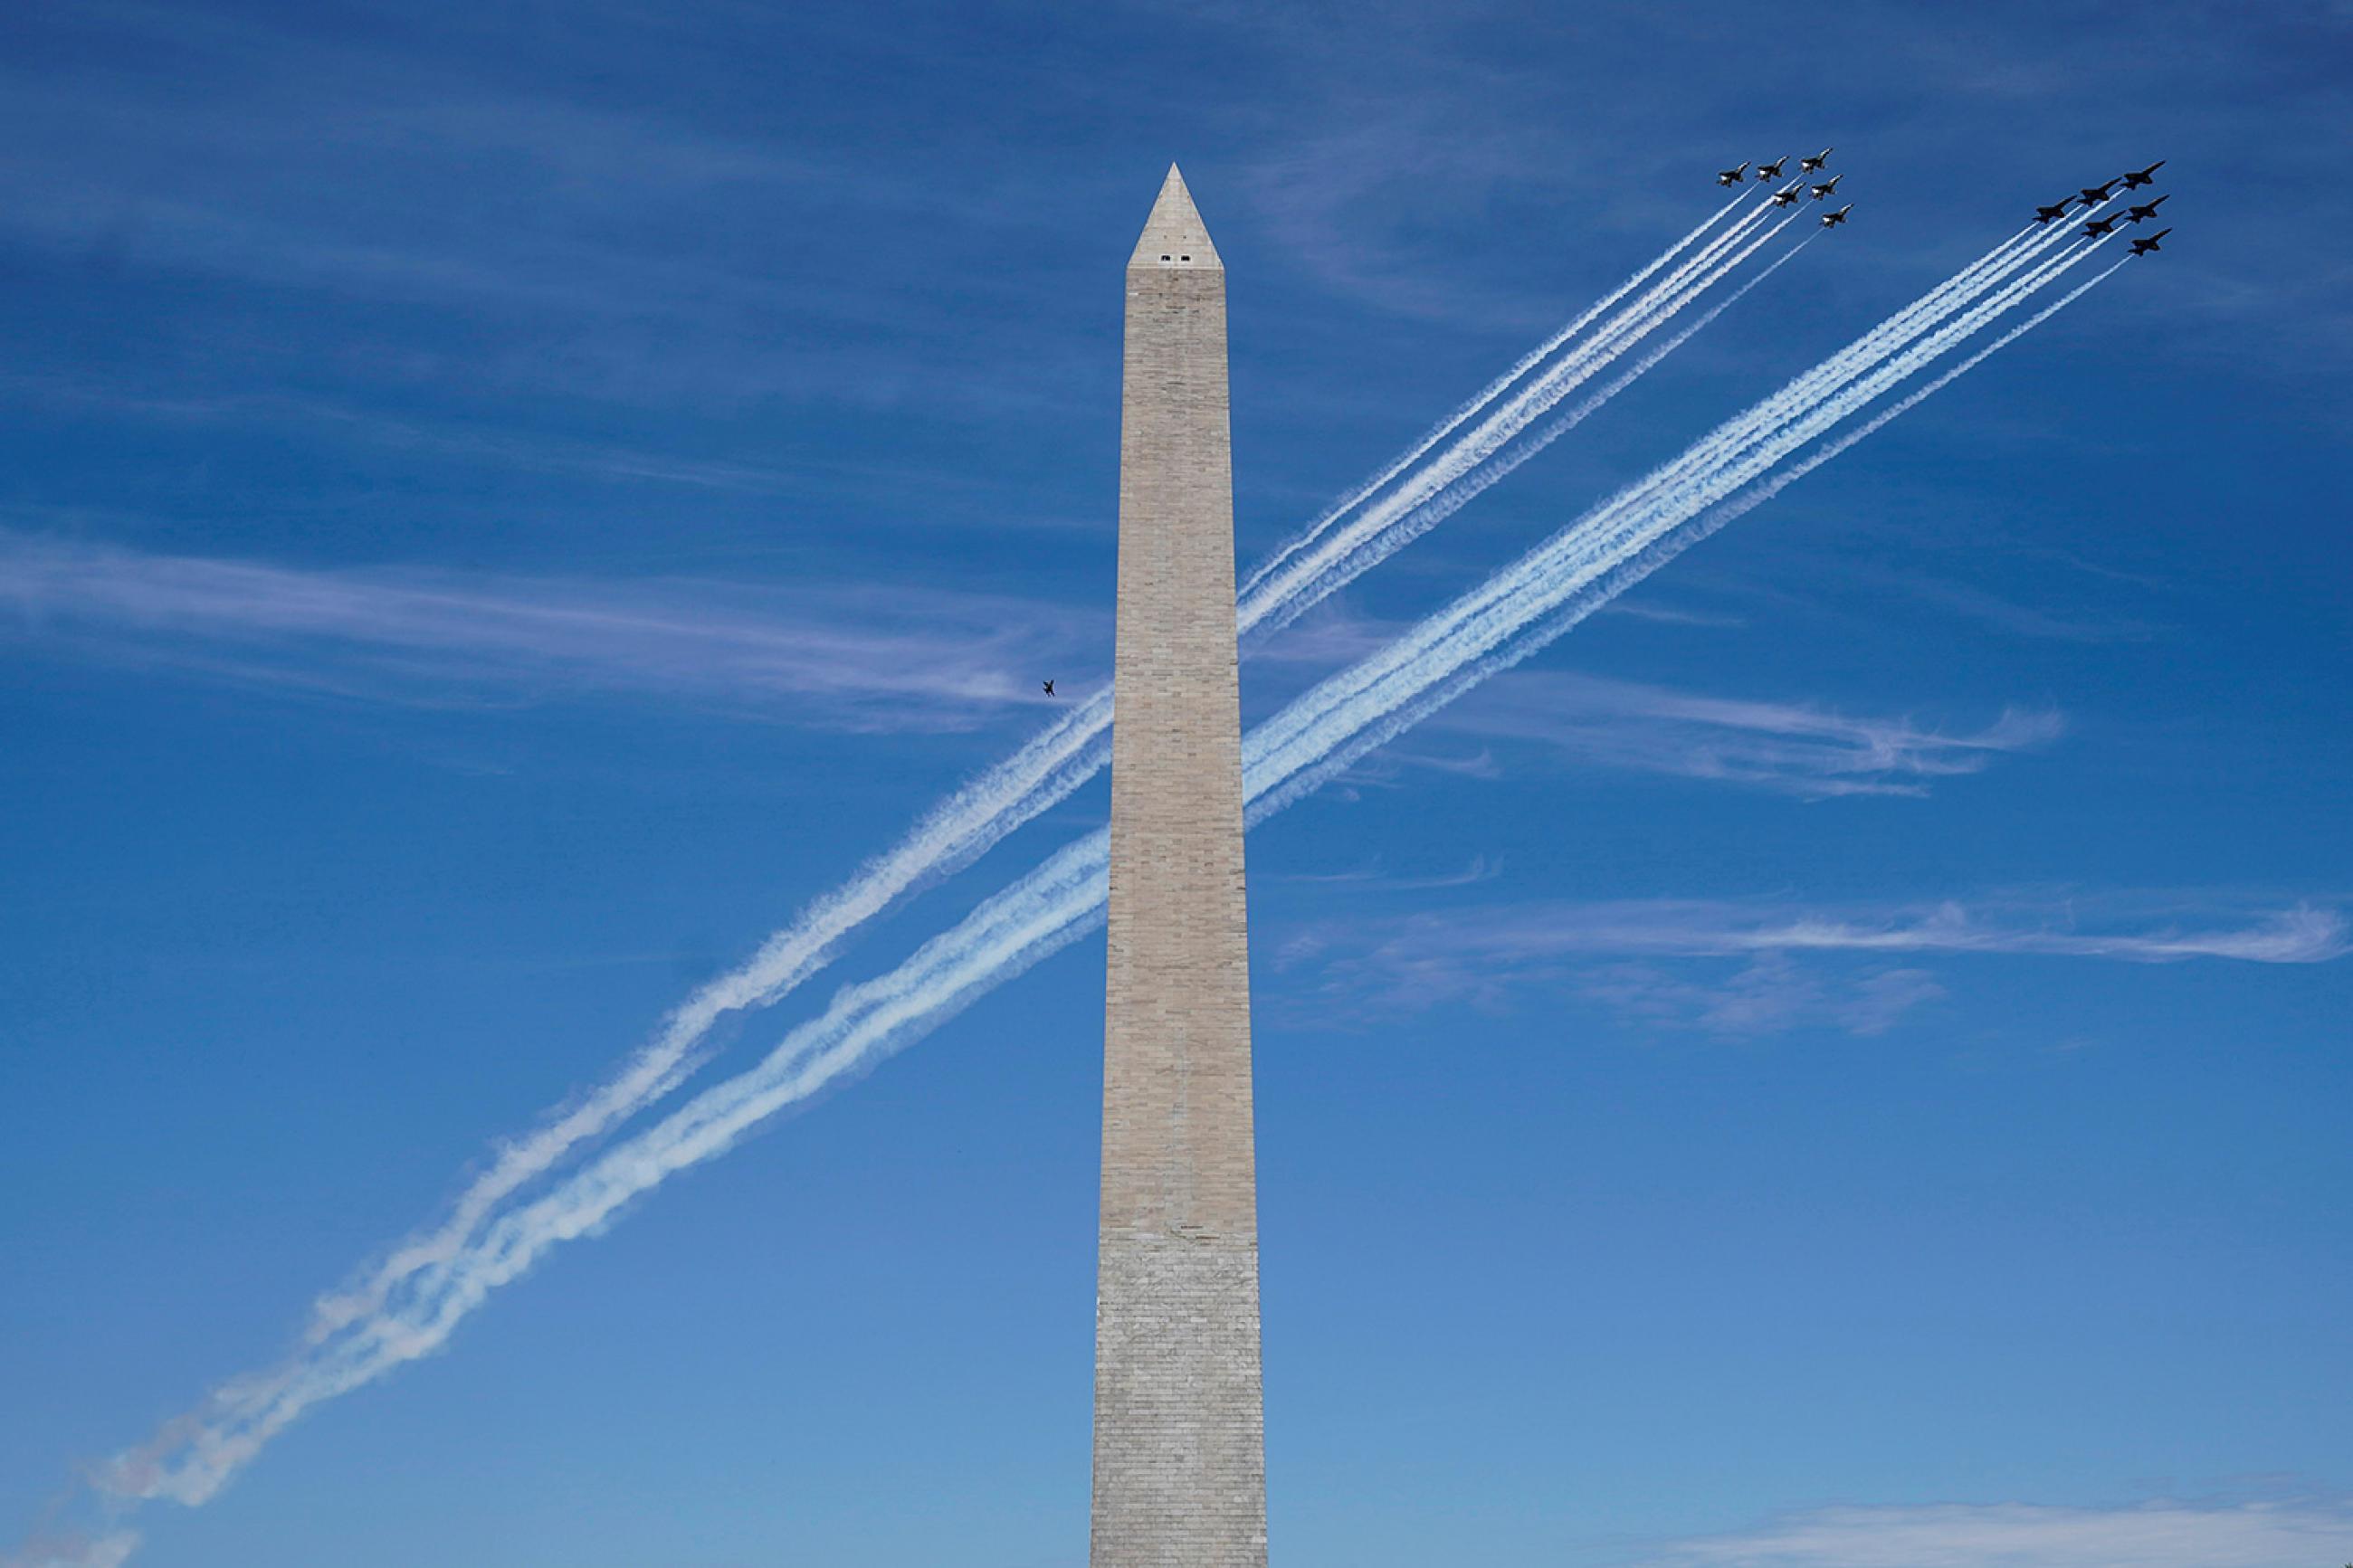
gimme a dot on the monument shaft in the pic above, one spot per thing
(1179, 1450)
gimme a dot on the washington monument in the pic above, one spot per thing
(1179, 1454)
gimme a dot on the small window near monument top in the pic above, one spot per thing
(1163, 259)
(1186, 259)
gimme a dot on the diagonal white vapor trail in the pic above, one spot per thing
(1519, 609)
(1485, 396)
(1054, 763)
(1548, 592)
(1393, 688)
(1385, 526)
(1374, 550)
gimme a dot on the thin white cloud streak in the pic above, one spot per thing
(2024, 1535)
(1043, 772)
(858, 659)
(1794, 748)
(1483, 954)
(1037, 915)
(1481, 942)
(107, 1550)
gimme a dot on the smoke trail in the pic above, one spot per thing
(1625, 524)
(958, 830)
(1444, 504)
(1038, 915)
(1358, 715)
(1043, 772)
(1285, 595)
(1485, 396)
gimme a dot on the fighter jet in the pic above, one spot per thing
(2051, 215)
(2094, 195)
(1831, 220)
(2143, 247)
(1827, 187)
(2145, 177)
(1788, 193)
(1809, 166)
(1771, 171)
(2141, 210)
(1050, 688)
(2095, 227)
(1732, 176)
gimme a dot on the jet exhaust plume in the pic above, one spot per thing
(1516, 611)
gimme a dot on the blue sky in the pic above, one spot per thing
(1838, 1062)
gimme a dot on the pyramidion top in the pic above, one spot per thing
(1174, 236)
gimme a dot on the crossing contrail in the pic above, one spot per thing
(1519, 609)
(1054, 763)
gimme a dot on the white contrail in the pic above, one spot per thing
(1050, 766)
(959, 829)
(1039, 914)
(1485, 396)
(1554, 589)
(1282, 597)
(1404, 530)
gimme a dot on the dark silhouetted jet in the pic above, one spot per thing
(2143, 247)
(1831, 220)
(1771, 171)
(2094, 195)
(1050, 688)
(1788, 193)
(1808, 166)
(2051, 215)
(2141, 210)
(2145, 177)
(1826, 187)
(1732, 176)
(2095, 227)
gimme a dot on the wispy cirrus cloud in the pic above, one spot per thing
(846, 655)
(1624, 955)
(1798, 748)
(2023, 1535)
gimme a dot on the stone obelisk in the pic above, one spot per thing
(1179, 1460)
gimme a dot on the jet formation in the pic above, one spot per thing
(2088, 200)
(1788, 194)
(2091, 198)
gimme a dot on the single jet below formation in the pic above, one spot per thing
(1827, 187)
(1732, 176)
(2095, 227)
(1050, 688)
(1771, 171)
(2094, 195)
(2145, 177)
(1809, 166)
(1831, 220)
(2141, 210)
(2143, 247)
(2052, 215)
(1788, 193)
